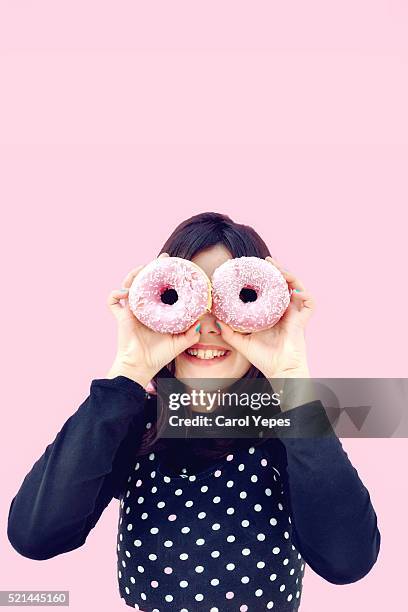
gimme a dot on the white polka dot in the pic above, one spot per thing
(289, 597)
(192, 477)
(216, 499)
(168, 543)
(189, 503)
(258, 592)
(151, 456)
(260, 537)
(272, 577)
(251, 450)
(127, 590)
(185, 529)
(245, 579)
(273, 521)
(140, 569)
(231, 538)
(269, 605)
(243, 494)
(280, 506)
(152, 557)
(132, 580)
(241, 467)
(268, 492)
(264, 462)
(201, 515)
(297, 594)
(282, 587)
(215, 554)
(215, 582)
(169, 598)
(217, 473)
(137, 543)
(230, 566)
(230, 483)
(144, 515)
(230, 457)
(257, 507)
(246, 552)
(245, 523)
(183, 556)
(130, 527)
(199, 597)
(230, 510)
(166, 479)
(154, 530)
(276, 550)
(254, 477)
(204, 489)
(216, 526)
(286, 535)
(200, 541)
(199, 569)
(183, 584)
(292, 571)
(161, 504)
(260, 564)
(285, 561)
(178, 492)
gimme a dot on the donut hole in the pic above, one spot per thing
(248, 294)
(169, 296)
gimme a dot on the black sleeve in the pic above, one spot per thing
(334, 525)
(63, 496)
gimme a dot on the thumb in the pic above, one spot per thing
(187, 338)
(234, 338)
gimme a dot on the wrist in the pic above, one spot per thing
(300, 372)
(137, 374)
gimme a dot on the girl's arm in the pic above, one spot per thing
(334, 522)
(63, 496)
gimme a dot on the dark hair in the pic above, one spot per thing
(193, 235)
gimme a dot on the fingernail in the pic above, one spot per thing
(122, 289)
(218, 325)
(198, 327)
(297, 290)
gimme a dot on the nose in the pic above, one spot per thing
(208, 325)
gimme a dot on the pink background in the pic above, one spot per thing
(119, 120)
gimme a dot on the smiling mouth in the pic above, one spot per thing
(206, 354)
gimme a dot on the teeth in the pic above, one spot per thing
(205, 354)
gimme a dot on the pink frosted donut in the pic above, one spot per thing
(249, 294)
(169, 294)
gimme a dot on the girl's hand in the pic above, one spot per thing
(142, 352)
(281, 350)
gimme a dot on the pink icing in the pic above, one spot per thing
(272, 290)
(192, 288)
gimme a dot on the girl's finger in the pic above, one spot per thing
(293, 281)
(114, 298)
(302, 300)
(127, 281)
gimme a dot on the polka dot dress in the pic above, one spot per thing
(215, 540)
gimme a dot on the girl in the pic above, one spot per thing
(204, 524)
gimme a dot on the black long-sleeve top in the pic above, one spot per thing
(233, 534)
